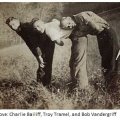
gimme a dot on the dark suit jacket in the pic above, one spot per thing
(32, 38)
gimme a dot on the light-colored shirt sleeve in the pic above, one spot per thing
(52, 30)
(55, 33)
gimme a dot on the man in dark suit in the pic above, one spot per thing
(39, 44)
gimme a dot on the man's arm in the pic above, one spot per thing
(38, 55)
(32, 45)
(118, 55)
(54, 32)
(94, 21)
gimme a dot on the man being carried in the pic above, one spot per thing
(52, 30)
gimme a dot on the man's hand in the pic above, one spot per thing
(59, 42)
(41, 62)
(118, 55)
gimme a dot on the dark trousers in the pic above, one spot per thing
(108, 46)
(44, 74)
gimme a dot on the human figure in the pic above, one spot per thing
(86, 23)
(52, 30)
(39, 44)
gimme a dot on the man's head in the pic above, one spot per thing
(39, 25)
(67, 23)
(13, 23)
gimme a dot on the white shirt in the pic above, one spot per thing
(54, 31)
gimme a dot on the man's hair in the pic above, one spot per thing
(10, 19)
(34, 20)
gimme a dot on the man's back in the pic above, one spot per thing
(32, 38)
(89, 23)
(54, 31)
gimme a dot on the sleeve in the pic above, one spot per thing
(94, 21)
(35, 49)
(57, 21)
(30, 39)
(38, 51)
(96, 17)
(92, 18)
(54, 35)
(53, 31)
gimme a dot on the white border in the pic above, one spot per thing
(59, 1)
(83, 115)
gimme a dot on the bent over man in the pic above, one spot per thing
(52, 30)
(39, 44)
(86, 23)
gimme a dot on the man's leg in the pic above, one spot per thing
(78, 62)
(48, 66)
(108, 46)
(40, 74)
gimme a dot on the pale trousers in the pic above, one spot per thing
(78, 67)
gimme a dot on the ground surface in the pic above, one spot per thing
(19, 89)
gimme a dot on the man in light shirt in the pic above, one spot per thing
(89, 23)
(53, 31)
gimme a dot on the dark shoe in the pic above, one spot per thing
(40, 74)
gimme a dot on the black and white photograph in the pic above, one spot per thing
(60, 55)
